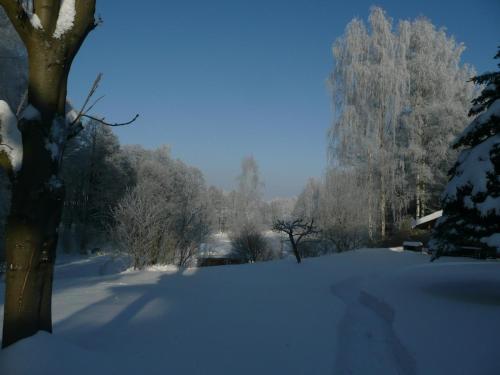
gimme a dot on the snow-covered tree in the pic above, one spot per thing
(400, 96)
(307, 204)
(436, 109)
(164, 217)
(248, 195)
(471, 200)
(342, 210)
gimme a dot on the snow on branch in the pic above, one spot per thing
(66, 18)
(473, 169)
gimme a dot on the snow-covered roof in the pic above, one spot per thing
(427, 218)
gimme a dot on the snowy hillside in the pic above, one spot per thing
(370, 311)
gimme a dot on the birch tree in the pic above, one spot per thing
(248, 196)
(437, 109)
(400, 95)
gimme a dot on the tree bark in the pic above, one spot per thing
(295, 248)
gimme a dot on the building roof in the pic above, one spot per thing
(425, 219)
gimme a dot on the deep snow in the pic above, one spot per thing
(371, 311)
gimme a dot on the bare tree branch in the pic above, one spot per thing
(91, 93)
(76, 125)
(95, 102)
(111, 124)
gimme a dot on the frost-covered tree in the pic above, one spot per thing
(218, 209)
(307, 204)
(52, 32)
(164, 217)
(368, 87)
(436, 111)
(342, 215)
(400, 96)
(248, 196)
(471, 200)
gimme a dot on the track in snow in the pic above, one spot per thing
(367, 342)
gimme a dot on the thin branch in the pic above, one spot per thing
(95, 102)
(92, 91)
(111, 124)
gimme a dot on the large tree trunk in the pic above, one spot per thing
(31, 239)
(37, 192)
(37, 198)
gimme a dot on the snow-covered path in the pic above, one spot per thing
(364, 312)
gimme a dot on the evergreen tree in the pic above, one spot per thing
(471, 201)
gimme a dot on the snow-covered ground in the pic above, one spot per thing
(373, 311)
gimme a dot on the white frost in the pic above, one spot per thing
(11, 138)
(30, 113)
(66, 18)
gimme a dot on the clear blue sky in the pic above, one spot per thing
(219, 80)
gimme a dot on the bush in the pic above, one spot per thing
(250, 245)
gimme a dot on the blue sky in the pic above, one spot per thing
(220, 80)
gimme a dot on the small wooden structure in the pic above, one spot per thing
(413, 246)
